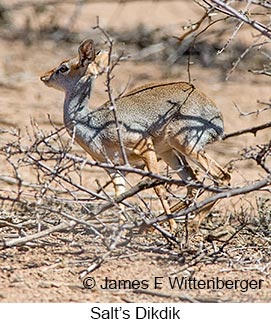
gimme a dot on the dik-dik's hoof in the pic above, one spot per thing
(226, 179)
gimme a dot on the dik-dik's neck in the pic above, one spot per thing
(76, 102)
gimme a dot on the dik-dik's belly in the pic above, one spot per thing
(110, 152)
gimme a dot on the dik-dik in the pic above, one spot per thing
(173, 121)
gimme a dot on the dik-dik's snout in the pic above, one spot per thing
(45, 78)
(49, 80)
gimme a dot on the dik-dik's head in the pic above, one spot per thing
(69, 72)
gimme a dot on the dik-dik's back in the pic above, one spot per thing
(164, 111)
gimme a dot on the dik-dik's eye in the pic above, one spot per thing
(63, 69)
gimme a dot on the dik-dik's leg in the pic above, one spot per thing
(118, 182)
(200, 157)
(119, 187)
(178, 163)
(211, 167)
(146, 150)
(219, 175)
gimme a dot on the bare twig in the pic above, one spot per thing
(264, 30)
(38, 235)
(241, 57)
(56, 173)
(252, 130)
(184, 298)
(237, 28)
(99, 260)
(264, 71)
(257, 111)
(110, 67)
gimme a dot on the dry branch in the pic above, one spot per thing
(219, 196)
(264, 30)
(109, 77)
(38, 235)
(252, 130)
(264, 71)
(257, 111)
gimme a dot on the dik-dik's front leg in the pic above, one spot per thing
(118, 180)
(145, 149)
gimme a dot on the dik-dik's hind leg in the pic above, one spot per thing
(221, 176)
(178, 163)
(211, 167)
(200, 157)
(146, 150)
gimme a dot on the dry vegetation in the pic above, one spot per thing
(58, 218)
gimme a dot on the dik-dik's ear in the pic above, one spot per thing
(86, 52)
(100, 63)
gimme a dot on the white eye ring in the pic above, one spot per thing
(63, 69)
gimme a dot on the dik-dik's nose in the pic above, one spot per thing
(45, 78)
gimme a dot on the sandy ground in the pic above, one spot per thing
(50, 273)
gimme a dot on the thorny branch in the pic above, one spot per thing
(218, 11)
(264, 30)
(252, 130)
(110, 67)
